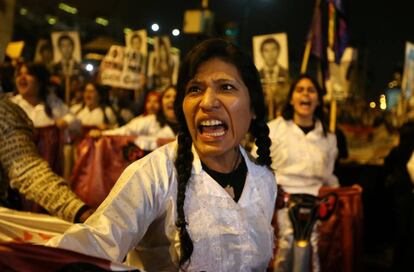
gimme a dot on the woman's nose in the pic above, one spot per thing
(209, 99)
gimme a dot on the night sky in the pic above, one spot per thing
(379, 29)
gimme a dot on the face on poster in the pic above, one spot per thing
(66, 46)
(137, 40)
(270, 51)
(44, 52)
(408, 74)
(162, 50)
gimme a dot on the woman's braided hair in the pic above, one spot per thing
(228, 52)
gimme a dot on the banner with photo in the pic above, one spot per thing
(66, 45)
(408, 74)
(137, 40)
(271, 58)
(44, 52)
(121, 67)
(163, 64)
(337, 85)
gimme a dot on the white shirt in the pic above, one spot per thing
(140, 212)
(146, 128)
(302, 162)
(93, 117)
(38, 113)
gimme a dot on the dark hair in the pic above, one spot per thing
(45, 46)
(227, 52)
(161, 118)
(42, 75)
(268, 41)
(135, 35)
(65, 37)
(288, 110)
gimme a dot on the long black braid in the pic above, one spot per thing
(226, 51)
(260, 131)
(183, 164)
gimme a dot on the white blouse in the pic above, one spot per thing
(140, 213)
(38, 113)
(302, 162)
(93, 117)
(146, 128)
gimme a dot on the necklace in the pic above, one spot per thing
(232, 182)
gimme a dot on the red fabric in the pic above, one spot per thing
(28, 258)
(340, 242)
(49, 144)
(340, 239)
(98, 166)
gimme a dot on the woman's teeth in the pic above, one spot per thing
(214, 128)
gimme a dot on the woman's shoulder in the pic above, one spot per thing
(76, 107)
(277, 126)
(277, 122)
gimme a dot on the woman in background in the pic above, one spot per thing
(303, 157)
(94, 111)
(42, 107)
(151, 130)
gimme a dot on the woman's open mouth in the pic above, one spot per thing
(212, 128)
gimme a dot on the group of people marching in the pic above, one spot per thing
(200, 201)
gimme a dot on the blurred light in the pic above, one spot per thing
(127, 30)
(89, 67)
(51, 20)
(155, 27)
(23, 11)
(383, 102)
(176, 32)
(372, 105)
(67, 8)
(101, 21)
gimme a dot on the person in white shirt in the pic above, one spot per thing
(94, 111)
(42, 107)
(151, 130)
(200, 203)
(303, 156)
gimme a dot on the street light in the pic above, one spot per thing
(155, 27)
(175, 32)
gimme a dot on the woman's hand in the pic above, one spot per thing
(61, 123)
(85, 215)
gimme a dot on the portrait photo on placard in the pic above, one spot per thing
(161, 63)
(137, 40)
(66, 46)
(44, 52)
(271, 58)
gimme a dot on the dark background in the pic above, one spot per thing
(378, 29)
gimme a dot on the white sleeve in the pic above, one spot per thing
(410, 167)
(331, 179)
(120, 222)
(111, 117)
(133, 128)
